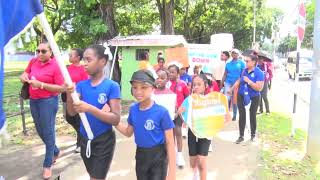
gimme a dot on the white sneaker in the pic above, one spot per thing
(196, 176)
(210, 147)
(77, 150)
(180, 160)
(184, 132)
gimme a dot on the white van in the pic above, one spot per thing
(305, 64)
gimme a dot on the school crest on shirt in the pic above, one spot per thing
(149, 125)
(102, 99)
(252, 75)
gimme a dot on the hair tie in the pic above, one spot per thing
(107, 51)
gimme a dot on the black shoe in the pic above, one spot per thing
(239, 140)
(252, 137)
(260, 112)
(234, 119)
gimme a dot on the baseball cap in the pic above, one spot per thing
(143, 76)
(235, 51)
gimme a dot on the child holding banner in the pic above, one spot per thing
(198, 147)
(152, 128)
(162, 94)
(96, 94)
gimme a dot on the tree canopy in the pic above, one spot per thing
(78, 23)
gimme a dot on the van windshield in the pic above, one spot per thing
(305, 60)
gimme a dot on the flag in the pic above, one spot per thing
(15, 15)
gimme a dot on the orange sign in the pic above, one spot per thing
(177, 54)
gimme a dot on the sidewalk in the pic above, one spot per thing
(227, 161)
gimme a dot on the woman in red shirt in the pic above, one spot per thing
(46, 82)
(77, 74)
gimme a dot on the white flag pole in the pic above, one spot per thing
(113, 61)
(55, 49)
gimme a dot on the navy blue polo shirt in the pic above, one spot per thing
(255, 75)
(186, 78)
(97, 96)
(149, 125)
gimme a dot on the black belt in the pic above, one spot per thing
(152, 149)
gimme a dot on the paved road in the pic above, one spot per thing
(281, 96)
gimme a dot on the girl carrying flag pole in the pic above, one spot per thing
(95, 94)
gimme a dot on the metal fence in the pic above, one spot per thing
(22, 110)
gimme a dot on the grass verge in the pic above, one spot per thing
(283, 156)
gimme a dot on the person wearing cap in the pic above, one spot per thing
(232, 73)
(100, 101)
(153, 131)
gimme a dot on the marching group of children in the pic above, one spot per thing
(158, 137)
(157, 129)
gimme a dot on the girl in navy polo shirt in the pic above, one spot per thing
(251, 82)
(152, 128)
(95, 93)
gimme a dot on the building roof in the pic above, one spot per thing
(149, 40)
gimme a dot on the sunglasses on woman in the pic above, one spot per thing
(43, 51)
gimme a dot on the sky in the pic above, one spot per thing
(289, 7)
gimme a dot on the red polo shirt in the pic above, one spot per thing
(48, 72)
(214, 87)
(77, 73)
(181, 89)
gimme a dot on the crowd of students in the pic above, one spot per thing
(157, 135)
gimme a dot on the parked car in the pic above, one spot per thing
(305, 65)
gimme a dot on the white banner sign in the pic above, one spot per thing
(208, 59)
(168, 101)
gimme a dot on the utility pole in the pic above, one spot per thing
(254, 24)
(301, 21)
(313, 143)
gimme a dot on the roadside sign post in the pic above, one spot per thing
(313, 141)
(300, 34)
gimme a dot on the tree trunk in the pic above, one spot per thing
(166, 11)
(186, 24)
(107, 14)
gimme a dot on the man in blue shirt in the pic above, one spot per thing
(232, 73)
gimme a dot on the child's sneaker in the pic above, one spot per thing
(184, 132)
(210, 147)
(180, 160)
(196, 176)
